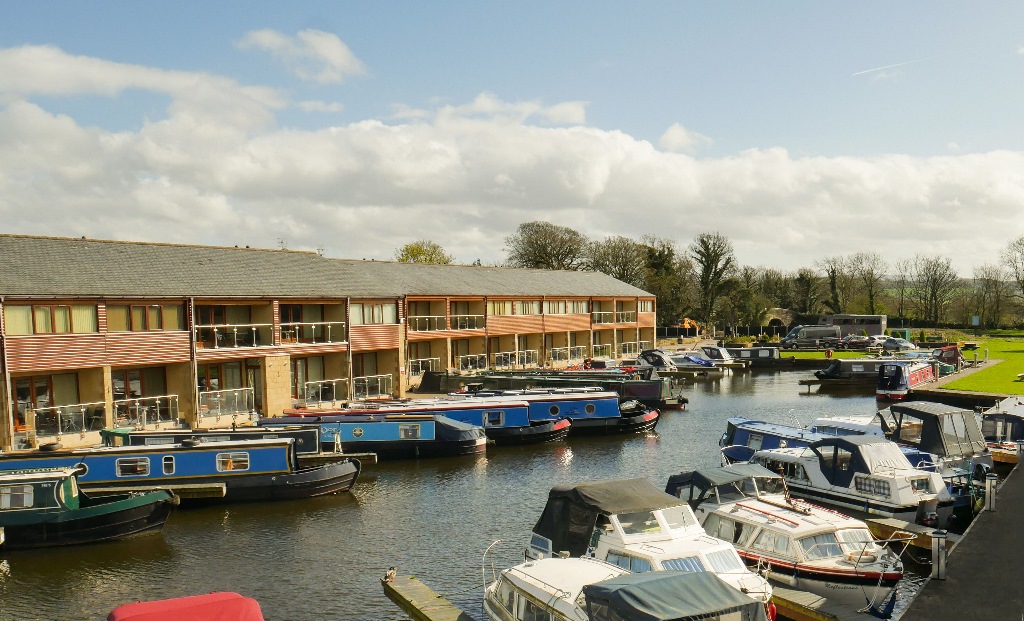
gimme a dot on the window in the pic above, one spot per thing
(168, 464)
(16, 496)
(645, 306)
(554, 307)
(554, 410)
(132, 467)
(579, 307)
(689, 564)
(527, 307)
(494, 418)
(775, 544)
(142, 318)
(856, 539)
(227, 462)
(824, 545)
(506, 595)
(724, 528)
(530, 611)
(499, 307)
(725, 561)
(638, 523)
(632, 563)
(50, 319)
(366, 314)
(874, 487)
(409, 432)
(679, 518)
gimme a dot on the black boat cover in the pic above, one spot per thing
(455, 430)
(706, 479)
(569, 517)
(668, 596)
(945, 430)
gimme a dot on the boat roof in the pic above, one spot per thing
(36, 474)
(707, 478)
(796, 518)
(151, 448)
(671, 595)
(569, 575)
(938, 437)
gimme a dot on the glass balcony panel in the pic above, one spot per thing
(321, 392)
(141, 412)
(372, 386)
(234, 404)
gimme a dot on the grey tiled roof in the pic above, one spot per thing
(65, 267)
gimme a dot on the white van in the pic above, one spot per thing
(811, 337)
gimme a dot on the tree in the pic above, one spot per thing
(806, 291)
(668, 276)
(543, 245)
(714, 262)
(991, 292)
(934, 286)
(423, 251)
(901, 285)
(777, 287)
(620, 257)
(840, 283)
(1013, 258)
(869, 270)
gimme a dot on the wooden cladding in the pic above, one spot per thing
(514, 324)
(374, 337)
(138, 348)
(80, 351)
(567, 323)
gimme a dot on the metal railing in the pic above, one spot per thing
(503, 360)
(630, 348)
(424, 323)
(141, 411)
(602, 317)
(230, 335)
(625, 317)
(73, 418)
(372, 386)
(559, 354)
(471, 362)
(467, 322)
(577, 352)
(602, 351)
(313, 332)
(232, 403)
(527, 357)
(644, 345)
(330, 391)
(418, 365)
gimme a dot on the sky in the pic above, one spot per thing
(800, 130)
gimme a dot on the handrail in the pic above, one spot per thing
(468, 322)
(61, 419)
(231, 402)
(559, 353)
(629, 348)
(625, 317)
(138, 412)
(602, 317)
(417, 366)
(603, 350)
(369, 386)
(472, 362)
(422, 323)
(228, 335)
(326, 390)
(313, 332)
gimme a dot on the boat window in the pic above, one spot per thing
(856, 539)
(16, 496)
(875, 487)
(632, 563)
(409, 432)
(775, 486)
(506, 595)
(133, 467)
(689, 564)
(679, 518)
(590, 408)
(232, 461)
(922, 484)
(638, 523)
(910, 429)
(724, 528)
(754, 441)
(725, 560)
(495, 418)
(844, 459)
(772, 543)
(168, 464)
(824, 545)
(159, 441)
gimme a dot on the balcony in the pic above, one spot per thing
(313, 332)
(231, 336)
(625, 317)
(425, 323)
(233, 405)
(602, 317)
(564, 354)
(372, 386)
(76, 418)
(644, 345)
(418, 366)
(140, 412)
(527, 357)
(321, 392)
(468, 322)
(631, 348)
(472, 362)
(602, 351)
(510, 359)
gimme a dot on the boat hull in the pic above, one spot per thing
(640, 422)
(552, 431)
(413, 449)
(332, 478)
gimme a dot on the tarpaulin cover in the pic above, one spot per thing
(571, 513)
(705, 479)
(945, 430)
(668, 596)
(223, 606)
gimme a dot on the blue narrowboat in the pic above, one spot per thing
(234, 470)
(387, 431)
(591, 411)
(44, 507)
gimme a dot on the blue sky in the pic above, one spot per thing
(800, 130)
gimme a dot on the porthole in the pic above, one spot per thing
(590, 409)
(357, 432)
(554, 410)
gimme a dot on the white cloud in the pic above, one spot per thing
(952, 146)
(310, 55)
(464, 176)
(321, 106)
(681, 140)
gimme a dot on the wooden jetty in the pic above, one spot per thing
(421, 602)
(802, 606)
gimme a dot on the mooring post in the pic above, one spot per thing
(990, 491)
(939, 555)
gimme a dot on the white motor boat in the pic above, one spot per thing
(586, 589)
(634, 525)
(804, 546)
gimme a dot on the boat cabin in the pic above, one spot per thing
(861, 369)
(39, 490)
(896, 378)
(1003, 425)
(952, 435)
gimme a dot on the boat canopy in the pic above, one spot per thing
(707, 479)
(935, 428)
(571, 513)
(668, 596)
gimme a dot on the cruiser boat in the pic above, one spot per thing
(804, 546)
(586, 589)
(633, 524)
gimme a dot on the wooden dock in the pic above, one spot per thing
(420, 602)
(802, 606)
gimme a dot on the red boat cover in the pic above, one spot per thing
(222, 606)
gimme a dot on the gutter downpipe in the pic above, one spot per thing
(195, 363)
(7, 379)
(348, 348)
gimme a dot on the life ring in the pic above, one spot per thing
(861, 557)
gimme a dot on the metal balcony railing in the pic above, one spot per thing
(602, 351)
(472, 362)
(630, 348)
(643, 345)
(142, 411)
(467, 322)
(577, 353)
(503, 360)
(64, 419)
(559, 354)
(602, 317)
(424, 323)
(527, 357)
(418, 365)
(372, 386)
(234, 403)
(313, 332)
(230, 335)
(625, 317)
(319, 392)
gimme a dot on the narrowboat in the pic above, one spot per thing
(806, 547)
(387, 431)
(236, 470)
(764, 356)
(44, 507)
(896, 378)
(851, 370)
(633, 524)
(591, 590)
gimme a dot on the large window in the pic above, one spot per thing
(364, 314)
(50, 319)
(527, 307)
(554, 307)
(227, 462)
(645, 306)
(145, 317)
(579, 307)
(499, 307)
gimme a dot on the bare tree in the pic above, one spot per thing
(543, 245)
(840, 283)
(901, 282)
(714, 261)
(806, 291)
(935, 284)
(991, 292)
(620, 257)
(423, 251)
(1013, 258)
(869, 270)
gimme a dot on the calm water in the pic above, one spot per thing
(322, 558)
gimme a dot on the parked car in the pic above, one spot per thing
(894, 344)
(853, 341)
(877, 340)
(811, 336)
